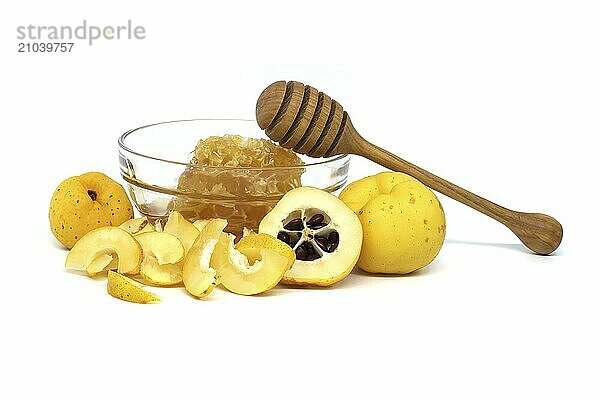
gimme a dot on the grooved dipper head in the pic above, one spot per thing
(268, 103)
(301, 118)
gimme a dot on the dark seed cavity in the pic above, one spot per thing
(93, 195)
(291, 239)
(334, 237)
(294, 225)
(306, 252)
(301, 253)
(322, 242)
(312, 252)
(298, 233)
(334, 241)
(284, 237)
(315, 219)
(294, 239)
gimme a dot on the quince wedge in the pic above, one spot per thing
(107, 247)
(137, 226)
(163, 256)
(201, 224)
(184, 230)
(199, 276)
(126, 289)
(256, 264)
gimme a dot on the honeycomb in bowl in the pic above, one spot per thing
(248, 186)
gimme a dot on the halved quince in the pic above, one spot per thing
(199, 276)
(124, 288)
(137, 226)
(106, 247)
(185, 231)
(256, 264)
(163, 256)
(324, 233)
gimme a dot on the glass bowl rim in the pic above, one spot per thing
(123, 146)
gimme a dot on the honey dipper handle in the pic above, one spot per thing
(539, 232)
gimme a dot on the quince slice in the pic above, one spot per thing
(199, 277)
(163, 256)
(137, 226)
(162, 246)
(255, 265)
(102, 262)
(201, 224)
(184, 230)
(124, 288)
(106, 247)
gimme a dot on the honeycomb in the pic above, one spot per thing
(245, 190)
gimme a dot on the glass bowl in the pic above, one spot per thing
(152, 159)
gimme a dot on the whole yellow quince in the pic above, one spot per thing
(86, 202)
(403, 222)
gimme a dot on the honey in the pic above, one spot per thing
(236, 178)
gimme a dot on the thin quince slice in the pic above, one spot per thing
(199, 277)
(164, 247)
(161, 275)
(102, 262)
(185, 231)
(163, 256)
(256, 264)
(91, 253)
(201, 224)
(137, 226)
(124, 288)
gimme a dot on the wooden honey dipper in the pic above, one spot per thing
(301, 118)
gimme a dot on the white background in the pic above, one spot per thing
(501, 97)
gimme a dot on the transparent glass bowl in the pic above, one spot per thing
(152, 159)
